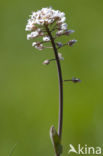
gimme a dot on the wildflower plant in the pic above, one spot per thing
(49, 25)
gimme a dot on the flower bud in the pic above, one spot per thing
(59, 33)
(68, 32)
(59, 44)
(46, 62)
(75, 80)
(71, 42)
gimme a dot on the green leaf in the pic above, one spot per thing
(55, 140)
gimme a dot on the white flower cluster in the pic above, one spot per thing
(44, 17)
(48, 19)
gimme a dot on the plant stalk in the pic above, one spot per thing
(60, 121)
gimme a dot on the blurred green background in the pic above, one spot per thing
(29, 90)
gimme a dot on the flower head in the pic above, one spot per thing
(54, 20)
(45, 16)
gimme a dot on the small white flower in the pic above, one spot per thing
(34, 44)
(39, 46)
(28, 36)
(30, 26)
(63, 26)
(32, 35)
(62, 20)
(46, 38)
(60, 56)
